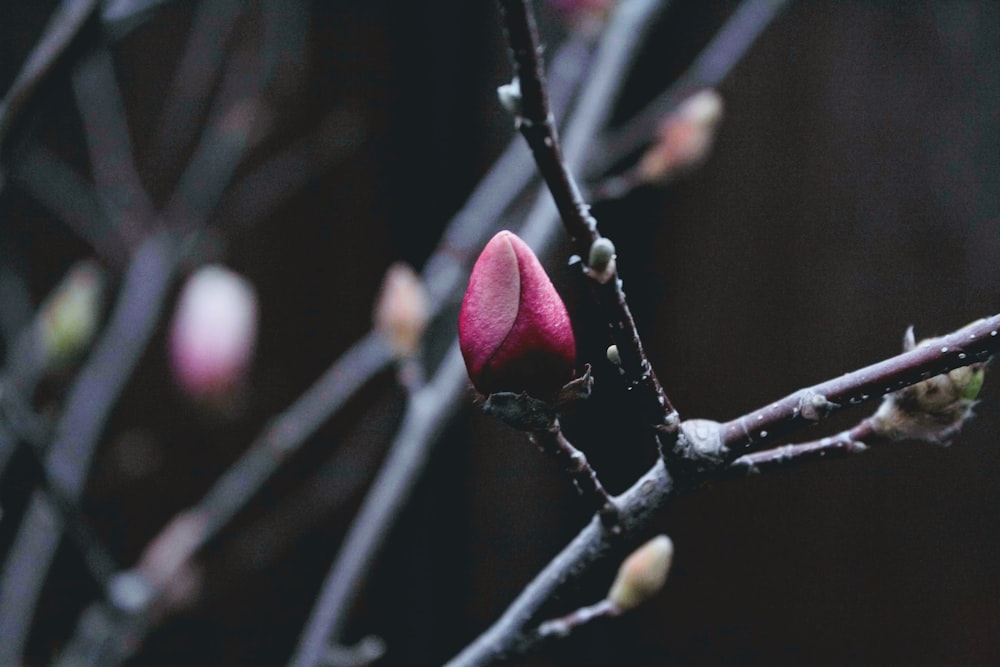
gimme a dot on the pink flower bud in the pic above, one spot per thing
(513, 328)
(213, 332)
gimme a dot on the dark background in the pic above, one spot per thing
(854, 190)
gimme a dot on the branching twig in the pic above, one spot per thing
(427, 414)
(536, 125)
(62, 28)
(850, 441)
(575, 464)
(512, 634)
(972, 343)
(88, 406)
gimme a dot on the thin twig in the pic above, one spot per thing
(536, 125)
(850, 441)
(109, 145)
(47, 178)
(190, 91)
(713, 64)
(972, 343)
(427, 415)
(575, 464)
(63, 26)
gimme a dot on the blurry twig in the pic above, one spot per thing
(708, 70)
(618, 45)
(88, 405)
(428, 413)
(66, 21)
(110, 146)
(47, 178)
(197, 73)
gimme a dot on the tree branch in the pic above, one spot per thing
(513, 633)
(535, 123)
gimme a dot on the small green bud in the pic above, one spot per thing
(602, 254)
(69, 317)
(613, 355)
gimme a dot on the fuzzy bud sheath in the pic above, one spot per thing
(513, 329)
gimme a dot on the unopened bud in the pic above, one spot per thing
(643, 574)
(684, 139)
(69, 317)
(933, 410)
(402, 310)
(613, 355)
(213, 333)
(513, 328)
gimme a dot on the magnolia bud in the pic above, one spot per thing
(933, 410)
(643, 574)
(213, 333)
(69, 317)
(402, 309)
(684, 140)
(513, 328)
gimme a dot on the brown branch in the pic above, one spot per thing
(574, 462)
(970, 344)
(536, 125)
(512, 633)
(850, 441)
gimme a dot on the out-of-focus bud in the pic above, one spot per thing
(213, 333)
(513, 329)
(402, 310)
(643, 574)
(69, 317)
(933, 410)
(684, 139)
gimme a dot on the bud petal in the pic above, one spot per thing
(513, 328)
(643, 574)
(213, 333)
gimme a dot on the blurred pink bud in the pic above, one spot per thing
(213, 333)
(684, 140)
(513, 329)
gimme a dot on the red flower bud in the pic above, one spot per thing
(513, 328)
